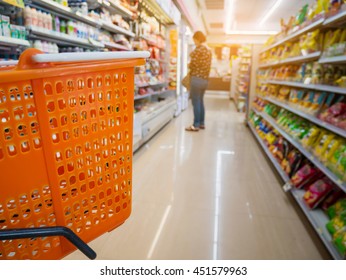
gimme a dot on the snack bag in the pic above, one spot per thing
(317, 192)
(292, 163)
(337, 223)
(305, 175)
(283, 93)
(337, 161)
(280, 149)
(332, 198)
(326, 105)
(293, 99)
(311, 137)
(322, 145)
(336, 209)
(317, 102)
(306, 103)
(340, 241)
(331, 148)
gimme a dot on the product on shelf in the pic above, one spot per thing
(292, 163)
(317, 192)
(337, 223)
(336, 195)
(335, 115)
(340, 241)
(305, 175)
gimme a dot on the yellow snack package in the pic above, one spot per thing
(322, 145)
(311, 137)
(332, 146)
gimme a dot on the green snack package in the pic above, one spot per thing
(336, 209)
(340, 241)
(337, 223)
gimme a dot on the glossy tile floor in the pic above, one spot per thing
(208, 195)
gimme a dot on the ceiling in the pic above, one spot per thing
(247, 14)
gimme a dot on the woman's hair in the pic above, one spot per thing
(199, 36)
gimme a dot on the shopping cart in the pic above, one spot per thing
(65, 150)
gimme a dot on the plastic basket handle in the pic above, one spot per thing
(91, 56)
(49, 231)
(8, 63)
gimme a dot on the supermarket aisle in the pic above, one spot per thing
(207, 195)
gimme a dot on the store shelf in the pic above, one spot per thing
(305, 152)
(296, 34)
(66, 11)
(113, 7)
(13, 42)
(116, 29)
(317, 87)
(298, 59)
(158, 111)
(318, 220)
(333, 60)
(116, 46)
(277, 166)
(152, 85)
(137, 97)
(311, 118)
(336, 20)
(317, 217)
(151, 42)
(63, 39)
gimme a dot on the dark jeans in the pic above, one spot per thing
(198, 87)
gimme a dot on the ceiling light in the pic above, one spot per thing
(272, 9)
(229, 8)
(250, 32)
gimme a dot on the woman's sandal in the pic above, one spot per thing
(202, 127)
(191, 128)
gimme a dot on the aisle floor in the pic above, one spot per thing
(207, 195)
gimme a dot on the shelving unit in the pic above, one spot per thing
(296, 34)
(66, 11)
(115, 8)
(333, 60)
(311, 118)
(304, 151)
(116, 29)
(317, 217)
(13, 42)
(137, 97)
(316, 87)
(293, 60)
(115, 46)
(61, 38)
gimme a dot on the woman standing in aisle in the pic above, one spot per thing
(199, 66)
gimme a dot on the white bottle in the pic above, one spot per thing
(39, 19)
(27, 16)
(50, 21)
(34, 17)
(38, 45)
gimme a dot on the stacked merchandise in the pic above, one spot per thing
(243, 80)
(299, 115)
(154, 98)
(76, 25)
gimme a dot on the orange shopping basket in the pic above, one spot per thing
(65, 150)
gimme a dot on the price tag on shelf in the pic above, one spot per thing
(17, 3)
(287, 187)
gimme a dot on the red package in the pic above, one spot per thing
(317, 192)
(305, 175)
(334, 111)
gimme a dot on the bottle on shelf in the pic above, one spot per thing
(63, 26)
(84, 8)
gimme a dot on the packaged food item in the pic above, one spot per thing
(305, 175)
(337, 208)
(337, 162)
(280, 149)
(331, 148)
(311, 137)
(317, 73)
(332, 198)
(306, 103)
(317, 192)
(340, 241)
(283, 93)
(323, 143)
(292, 162)
(317, 102)
(337, 223)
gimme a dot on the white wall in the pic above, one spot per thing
(237, 39)
(193, 14)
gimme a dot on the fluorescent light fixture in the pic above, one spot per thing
(250, 32)
(229, 8)
(272, 9)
